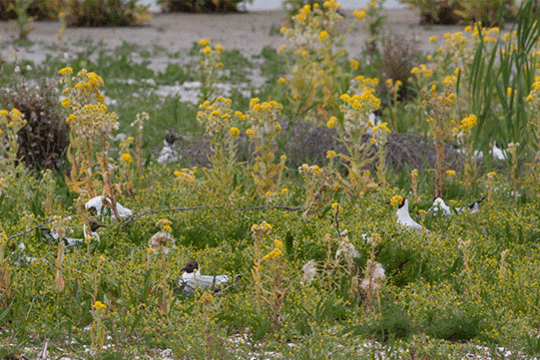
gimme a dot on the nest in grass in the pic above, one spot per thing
(304, 143)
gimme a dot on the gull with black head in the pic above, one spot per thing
(192, 279)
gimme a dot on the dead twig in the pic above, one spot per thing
(30, 230)
(132, 218)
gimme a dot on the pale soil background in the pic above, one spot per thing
(249, 32)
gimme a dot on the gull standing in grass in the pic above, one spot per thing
(192, 279)
(403, 216)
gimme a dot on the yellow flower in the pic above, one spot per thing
(396, 200)
(126, 158)
(206, 298)
(99, 305)
(250, 132)
(332, 122)
(284, 191)
(414, 173)
(167, 228)
(66, 102)
(282, 30)
(433, 39)
(235, 131)
(354, 64)
(450, 173)
(218, 48)
(206, 50)
(150, 250)
(360, 14)
(274, 254)
(204, 42)
(65, 71)
(176, 173)
(372, 140)
(15, 114)
(330, 154)
(323, 35)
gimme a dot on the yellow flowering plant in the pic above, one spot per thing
(90, 124)
(315, 45)
(533, 102)
(440, 109)
(126, 171)
(97, 334)
(10, 124)
(322, 186)
(268, 271)
(210, 63)
(218, 120)
(263, 129)
(462, 135)
(353, 123)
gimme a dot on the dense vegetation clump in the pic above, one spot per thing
(313, 211)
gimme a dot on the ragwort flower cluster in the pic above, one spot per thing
(88, 117)
(89, 122)
(10, 124)
(209, 66)
(356, 111)
(316, 46)
(218, 121)
(263, 129)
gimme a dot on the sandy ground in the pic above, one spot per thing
(248, 32)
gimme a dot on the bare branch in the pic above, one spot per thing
(30, 230)
(132, 218)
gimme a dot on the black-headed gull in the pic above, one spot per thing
(71, 242)
(405, 219)
(473, 208)
(169, 153)
(192, 279)
(96, 204)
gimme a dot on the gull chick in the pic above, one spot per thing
(192, 279)
(405, 219)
